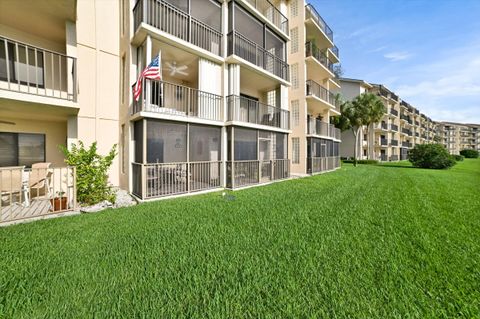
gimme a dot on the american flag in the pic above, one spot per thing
(152, 71)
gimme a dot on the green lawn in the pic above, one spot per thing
(386, 241)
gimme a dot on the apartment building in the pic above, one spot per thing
(458, 136)
(400, 129)
(219, 115)
(312, 57)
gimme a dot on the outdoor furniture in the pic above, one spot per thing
(38, 179)
(11, 183)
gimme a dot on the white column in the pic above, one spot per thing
(233, 79)
(71, 51)
(72, 131)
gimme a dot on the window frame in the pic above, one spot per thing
(17, 146)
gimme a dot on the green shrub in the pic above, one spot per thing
(372, 162)
(469, 153)
(430, 156)
(92, 172)
(458, 158)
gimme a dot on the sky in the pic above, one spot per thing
(426, 51)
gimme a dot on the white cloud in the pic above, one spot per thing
(397, 56)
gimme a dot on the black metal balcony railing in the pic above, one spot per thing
(383, 157)
(335, 51)
(393, 157)
(173, 99)
(168, 18)
(394, 127)
(394, 112)
(394, 142)
(317, 127)
(417, 134)
(404, 117)
(247, 110)
(406, 144)
(311, 13)
(315, 89)
(37, 71)
(406, 131)
(245, 173)
(383, 141)
(267, 9)
(384, 126)
(394, 96)
(383, 92)
(313, 51)
(417, 123)
(251, 52)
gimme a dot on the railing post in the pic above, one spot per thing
(272, 171)
(144, 11)
(143, 174)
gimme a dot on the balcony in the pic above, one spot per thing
(417, 123)
(322, 164)
(406, 131)
(251, 52)
(394, 158)
(164, 179)
(311, 13)
(246, 173)
(383, 157)
(268, 10)
(317, 127)
(167, 18)
(311, 50)
(170, 99)
(394, 112)
(394, 127)
(384, 126)
(394, 142)
(393, 96)
(38, 191)
(335, 51)
(406, 144)
(383, 141)
(316, 90)
(405, 118)
(417, 134)
(37, 71)
(247, 110)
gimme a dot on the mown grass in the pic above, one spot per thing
(375, 241)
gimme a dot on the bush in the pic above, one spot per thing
(430, 156)
(92, 172)
(469, 153)
(458, 158)
(372, 162)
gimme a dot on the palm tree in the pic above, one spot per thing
(365, 109)
(375, 112)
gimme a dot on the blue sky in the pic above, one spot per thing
(427, 51)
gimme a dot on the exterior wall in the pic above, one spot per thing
(97, 46)
(55, 135)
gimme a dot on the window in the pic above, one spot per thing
(166, 142)
(23, 67)
(294, 37)
(295, 76)
(205, 143)
(18, 149)
(122, 79)
(245, 144)
(296, 150)
(122, 148)
(295, 113)
(138, 137)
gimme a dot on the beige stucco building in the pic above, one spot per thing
(401, 128)
(59, 79)
(458, 136)
(312, 97)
